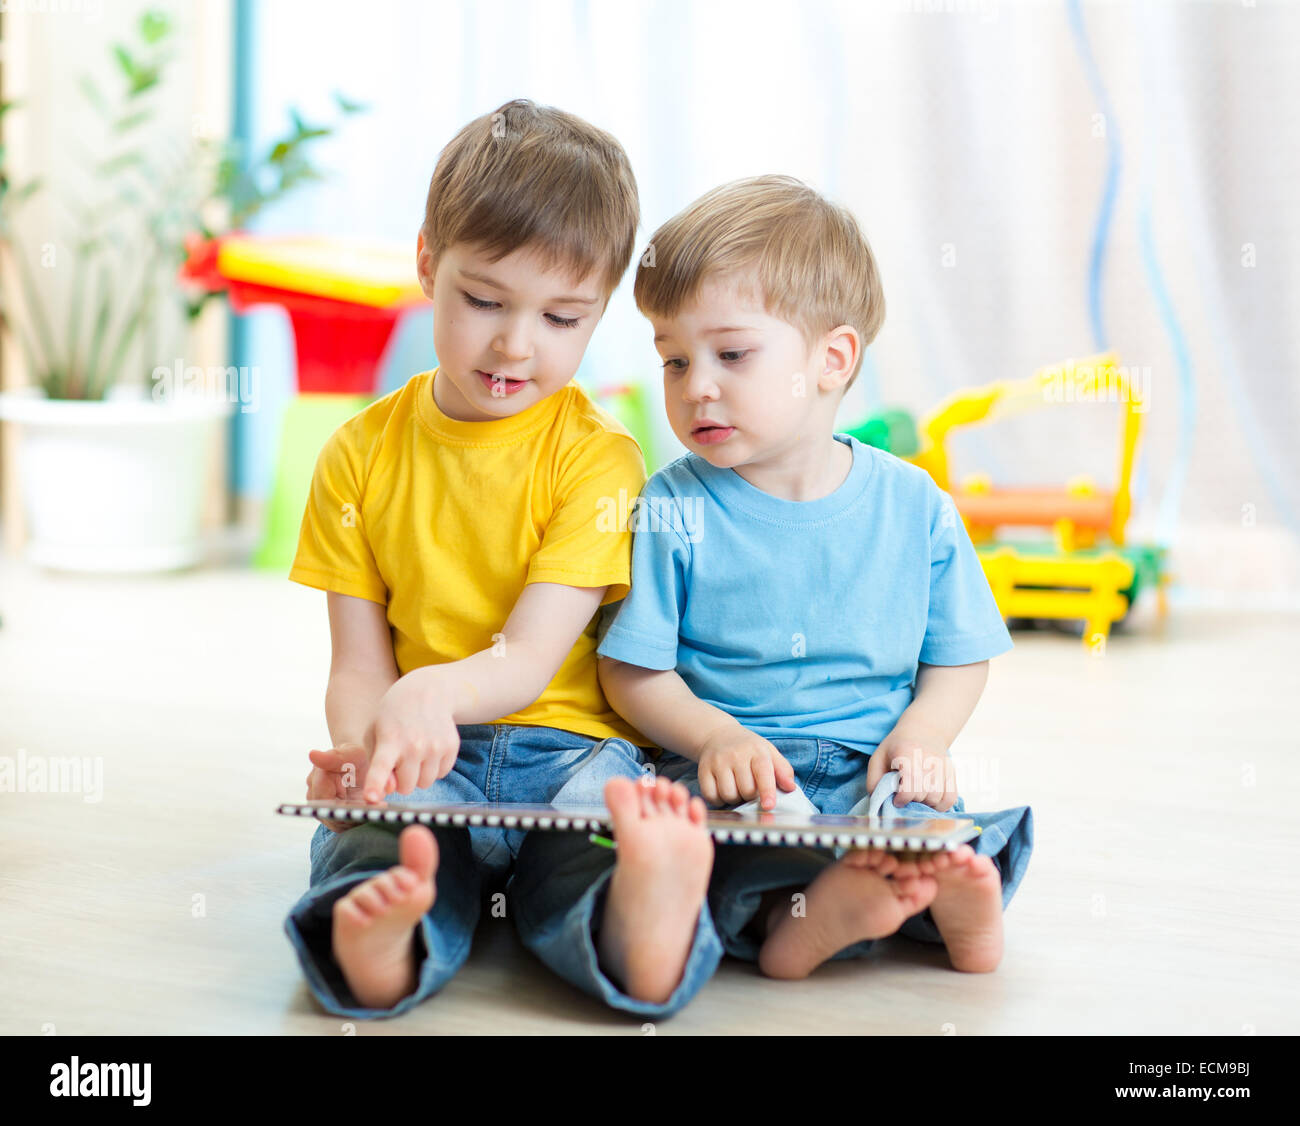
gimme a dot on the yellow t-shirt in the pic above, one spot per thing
(444, 522)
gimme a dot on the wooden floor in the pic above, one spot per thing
(1162, 895)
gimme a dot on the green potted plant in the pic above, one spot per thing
(111, 463)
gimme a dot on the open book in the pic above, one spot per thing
(741, 826)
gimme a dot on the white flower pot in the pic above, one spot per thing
(114, 485)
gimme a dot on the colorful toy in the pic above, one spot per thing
(343, 300)
(628, 403)
(1087, 571)
(893, 431)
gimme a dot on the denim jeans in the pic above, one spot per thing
(557, 892)
(834, 778)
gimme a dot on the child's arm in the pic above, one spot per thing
(362, 666)
(658, 703)
(414, 731)
(362, 669)
(734, 763)
(917, 747)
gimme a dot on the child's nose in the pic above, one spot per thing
(513, 343)
(699, 387)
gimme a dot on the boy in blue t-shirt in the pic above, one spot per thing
(807, 613)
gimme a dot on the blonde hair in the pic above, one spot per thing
(807, 257)
(530, 175)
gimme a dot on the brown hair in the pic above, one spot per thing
(535, 175)
(807, 257)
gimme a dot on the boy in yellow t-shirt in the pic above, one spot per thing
(461, 528)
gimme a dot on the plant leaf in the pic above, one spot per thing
(154, 26)
(131, 120)
(125, 62)
(348, 106)
(145, 79)
(295, 177)
(35, 309)
(88, 87)
(123, 160)
(109, 373)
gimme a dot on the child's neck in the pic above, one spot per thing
(807, 471)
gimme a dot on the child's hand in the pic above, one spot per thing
(736, 765)
(336, 775)
(413, 737)
(925, 772)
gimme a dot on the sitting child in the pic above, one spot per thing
(806, 613)
(454, 525)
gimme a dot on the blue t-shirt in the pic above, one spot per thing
(803, 617)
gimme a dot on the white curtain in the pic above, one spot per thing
(978, 141)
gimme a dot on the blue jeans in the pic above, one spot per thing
(834, 777)
(556, 895)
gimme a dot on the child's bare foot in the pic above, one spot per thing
(865, 894)
(374, 924)
(967, 908)
(665, 856)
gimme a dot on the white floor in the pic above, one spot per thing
(1162, 896)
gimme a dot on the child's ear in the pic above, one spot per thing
(426, 265)
(842, 347)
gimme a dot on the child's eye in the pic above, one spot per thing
(733, 355)
(558, 321)
(670, 365)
